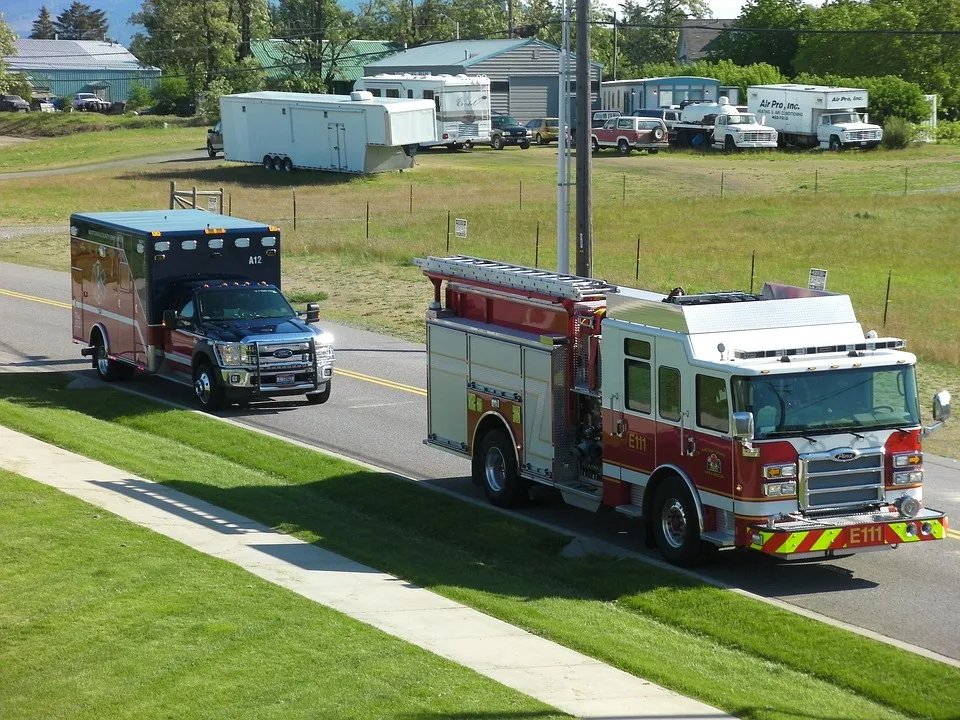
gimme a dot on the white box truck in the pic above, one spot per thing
(354, 133)
(815, 115)
(462, 103)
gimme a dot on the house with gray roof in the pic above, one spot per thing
(524, 72)
(697, 38)
(64, 67)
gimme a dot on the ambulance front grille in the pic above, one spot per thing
(826, 481)
(283, 356)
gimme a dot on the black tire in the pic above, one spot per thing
(107, 370)
(495, 468)
(468, 145)
(210, 151)
(208, 392)
(267, 162)
(623, 147)
(595, 143)
(835, 143)
(729, 145)
(496, 142)
(540, 140)
(524, 146)
(652, 151)
(676, 527)
(321, 397)
(287, 165)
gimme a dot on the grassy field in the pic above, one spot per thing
(100, 618)
(845, 212)
(750, 659)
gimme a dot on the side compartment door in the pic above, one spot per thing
(447, 386)
(77, 293)
(537, 410)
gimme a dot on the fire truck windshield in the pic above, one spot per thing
(821, 402)
(243, 302)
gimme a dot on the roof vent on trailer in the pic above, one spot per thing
(358, 95)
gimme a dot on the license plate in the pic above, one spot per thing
(285, 379)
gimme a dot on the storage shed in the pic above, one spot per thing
(524, 73)
(66, 67)
(630, 95)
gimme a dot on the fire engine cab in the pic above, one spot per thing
(194, 297)
(767, 421)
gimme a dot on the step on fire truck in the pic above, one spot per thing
(766, 421)
(195, 297)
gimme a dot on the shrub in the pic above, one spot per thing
(173, 97)
(948, 131)
(139, 97)
(897, 133)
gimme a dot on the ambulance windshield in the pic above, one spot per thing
(821, 402)
(243, 303)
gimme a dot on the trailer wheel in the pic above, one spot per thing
(623, 147)
(207, 390)
(107, 370)
(496, 464)
(675, 525)
(267, 162)
(835, 143)
(319, 398)
(287, 165)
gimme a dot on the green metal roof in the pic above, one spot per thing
(279, 58)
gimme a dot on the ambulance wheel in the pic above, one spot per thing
(107, 370)
(319, 398)
(676, 527)
(206, 389)
(496, 465)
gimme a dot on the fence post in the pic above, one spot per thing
(368, 219)
(637, 277)
(294, 208)
(221, 201)
(536, 254)
(721, 183)
(411, 198)
(905, 170)
(886, 302)
(194, 197)
(816, 180)
(521, 194)
(173, 192)
(753, 265)
(623, 192)
(448, 232)
(230, 204)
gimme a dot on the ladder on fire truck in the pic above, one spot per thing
(572, 287)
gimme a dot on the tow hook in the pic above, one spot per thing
(88, 351)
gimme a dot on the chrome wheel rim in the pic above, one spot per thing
(201, 386)
(673, 521)
(103, 362)
(495, 469)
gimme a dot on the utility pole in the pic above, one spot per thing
(614, 45)
(584, 172)
(510, 18)
(563, 153)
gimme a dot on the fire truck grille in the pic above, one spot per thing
(827, 483)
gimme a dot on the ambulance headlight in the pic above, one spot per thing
(232, 354)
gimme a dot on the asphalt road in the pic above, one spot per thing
(377, 414)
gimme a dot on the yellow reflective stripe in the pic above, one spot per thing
(939, 531)
(901, 530)
(826, 539)
(793, 542)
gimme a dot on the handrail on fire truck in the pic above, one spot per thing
(572, 287)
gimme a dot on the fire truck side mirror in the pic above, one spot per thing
(743, 426)
(941, 406)
(313, 312)
(170, 319)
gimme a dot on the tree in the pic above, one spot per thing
(81, 22)
(43, 28)
(774, 48)
(655, 44)
(890, 96)
(7, 48)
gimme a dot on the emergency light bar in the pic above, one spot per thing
(878, 344)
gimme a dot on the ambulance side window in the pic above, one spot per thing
(187, 314)
(668, 391)
(713, 411)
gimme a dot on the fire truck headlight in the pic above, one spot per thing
(780, 489)
(908, 506)
(911, 477)
(910, 459)
(776, 472)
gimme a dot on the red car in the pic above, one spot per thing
(631, 133)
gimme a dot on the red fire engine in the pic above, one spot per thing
(767, 421)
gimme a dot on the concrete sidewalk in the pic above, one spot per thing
(551, 673)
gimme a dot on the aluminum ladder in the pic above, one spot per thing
(519, 277)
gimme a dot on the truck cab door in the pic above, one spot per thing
(179, 340)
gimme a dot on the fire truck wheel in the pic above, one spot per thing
(319, 398)
(496, 464)
(107, 370)
(675, 525)
(206, 389)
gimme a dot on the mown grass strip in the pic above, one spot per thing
(100, 619)
(746, 657)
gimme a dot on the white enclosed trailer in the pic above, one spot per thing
(354, 133)
(462, 103)
(815, 115)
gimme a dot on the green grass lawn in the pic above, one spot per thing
(748, 658)
(100, 619)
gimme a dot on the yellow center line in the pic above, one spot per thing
(21, 296)
(955, 534)
(339, 371)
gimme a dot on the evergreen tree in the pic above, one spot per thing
(81, 22)
(43, 28)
